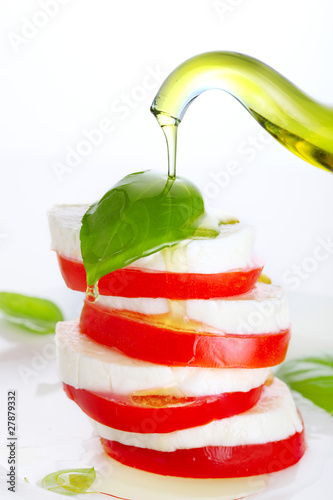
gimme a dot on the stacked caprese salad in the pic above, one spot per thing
(172, 363)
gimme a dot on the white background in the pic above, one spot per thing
(63, 78)
(61, 74)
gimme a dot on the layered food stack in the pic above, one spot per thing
(172, 363)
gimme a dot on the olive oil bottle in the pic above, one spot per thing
(302, 125)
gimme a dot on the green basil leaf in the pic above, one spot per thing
(143, 213)
(312, 377)
(32, 313)
(69, 482)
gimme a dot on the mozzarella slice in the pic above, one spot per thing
(85, 364)
(232, 249)
(273, 418)
(65, 225)
(142, 305)
(262, 310)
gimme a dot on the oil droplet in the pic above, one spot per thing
(92, 292)
(263, 278)
(270, 379)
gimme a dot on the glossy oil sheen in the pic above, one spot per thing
(302, 125)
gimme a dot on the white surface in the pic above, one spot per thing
(85, 364)
(54, 434)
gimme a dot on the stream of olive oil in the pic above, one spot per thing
(299, 123)
(170, 126)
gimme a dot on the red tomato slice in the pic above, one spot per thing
(212, 461)
(153, 415)
(130, 282)
(142, 337)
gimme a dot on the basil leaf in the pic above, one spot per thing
(312, 377)
(32, 313)
(69, 482)
(143, 213)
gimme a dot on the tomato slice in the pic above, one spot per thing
(137, 336)
(131, 282)
(126, 415)
(212, 461)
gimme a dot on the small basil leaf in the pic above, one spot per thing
(143, 213)
(32, 313)
(69, 482)
(312, 377)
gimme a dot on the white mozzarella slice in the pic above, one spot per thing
(262, 310)
(231, 249)
(141, 305)
(273, 418)
(65, 225)
(85, 364)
